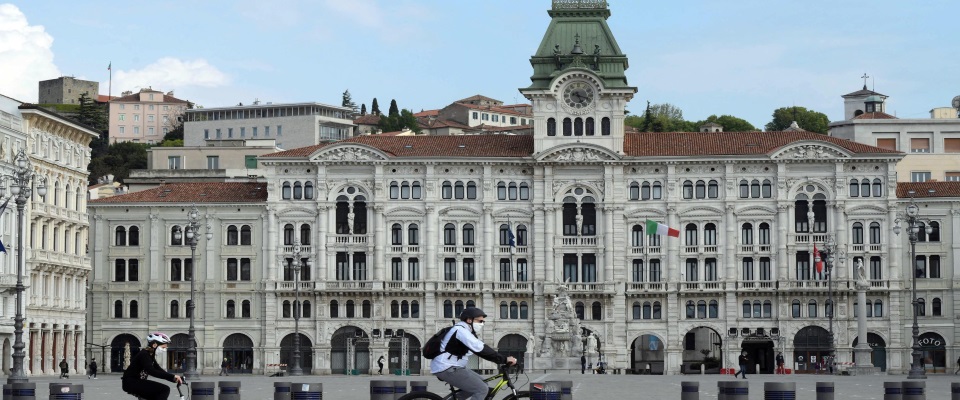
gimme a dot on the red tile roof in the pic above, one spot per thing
(195, 192)
(369, 119)
(427, 113)
(922, 189)
(875, 115)
(102, 98)
(478, 97)
(646, 144)
(491, 109)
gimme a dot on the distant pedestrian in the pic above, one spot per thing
(380, 364)
(780, 369)
(583, 364)
(64, 368)
(224, 367)
(743, 361)
(93, 369)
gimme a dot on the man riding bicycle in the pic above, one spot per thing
(451, 365)
(144, 364)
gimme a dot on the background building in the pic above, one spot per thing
(291, 125)
(218, 161)
(144, 117)
(67, 90)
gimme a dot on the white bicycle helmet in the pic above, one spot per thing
(158, 337)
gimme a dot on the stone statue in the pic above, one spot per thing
(556, 50)
(861, 274)
(591, 344)
(350, 217)
(562, 306)
(580, 224)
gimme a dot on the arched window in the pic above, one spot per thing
(687, 189)
(857, 233)
(657, 310)
(744, 189)
(524, 310)
(812, 309)
(691, 309)
(605, 126)
(935, 233)
(468, 235)
(579, 310)
(334, 309)
(874, 233)
(394, 190)
(635, 190)
(286, 308)
(767, 309)
(365, 309)
(305, 309)
(646, 310)
(657, 190)
(504, 235)
(396, 235)
(636, 310)
(245, 235)
(795, 309)
(417, 190)
(864, 188)
(878, 308)
(133, 236)
(877, 188)
(713, 189)
(501, 190)
(231, 309)
(551, 127)
(756, 309)
(590, 126)
(446, 190)
(514, 310)
(351, 309)
(921, 232)
(297, 190)
(504, 310)
(413, 235)
(596, 311)
(524, 191)
(134, 309)
(755, 189)
(405, 190)
(766, 189)
(710, 234)
(567, 127)
(869, 308)
(690, 234)
(121, 236)
(404, 309)
(288, 235)
(854, 188)
(245, 309)
(471, 190)
(636, 236)
(921, 307)
(701, 190)
(174, 309)
(118, 309)
(449, 235)
(233, 235)
(764, 233)
(174, 240)
(308, 190)
(459, 190)
(286, 191)
(512, 191)
(746, 234)
(447, 309)
(714, 309)
(578, 127)
(937, 307)
(521, 239)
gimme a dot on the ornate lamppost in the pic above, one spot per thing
(296, 370)
(20, 190)
(828, 256)
(911, 218)
(193, 236)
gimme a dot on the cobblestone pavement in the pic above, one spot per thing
(584, 386)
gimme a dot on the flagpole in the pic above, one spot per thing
(110, 85)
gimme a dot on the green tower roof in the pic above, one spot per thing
(579, 37)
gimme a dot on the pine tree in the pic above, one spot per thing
(363, 109)
(375, 107)
(348, 102)
(91, 114)
(394, 110)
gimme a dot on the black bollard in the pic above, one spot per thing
(399, 389)
(229, 390)
(892, 391)
(381, 390)
(202, 390)
(418, 386)
(6, 391)
(65, 391)
(23, 391)
(955, 391)
(779, 391)
(545, 391)
(738, 390)
(281, 391)
(914, 390)
(825, 391)
(306, 391)
(689, 390)
(566, 389)
(722, 390)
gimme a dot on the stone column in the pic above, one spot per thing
(270, 244)
(376, 263)
(608, 250)
(862, 350)
(781, 244)
(431, 264)
(550, 256)
(486, 265)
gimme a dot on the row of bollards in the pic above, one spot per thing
(551, 390)
(393, 390)
(295, 391)
(740, 390)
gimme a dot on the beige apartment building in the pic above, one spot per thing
(290, 124)
(219, 161)
(145, 116)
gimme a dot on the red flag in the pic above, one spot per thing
(816, 259)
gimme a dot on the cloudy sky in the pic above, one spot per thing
(739, 57)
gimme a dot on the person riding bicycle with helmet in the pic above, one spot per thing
(144, 364)
(451, 365)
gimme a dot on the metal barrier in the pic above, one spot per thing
(566, 389)
(914, 390)
(892, 391)
(399, 389)
(66, 391)
(722, 390)
(306, 391)
(545, 391)
(779, 391)
(689, 390)
(418, 386)
(381, 390)
(825, 391)
(202, 390)
(738, 390)
(23, 391)
(281, 391)
(955, 391)
(229, 390)
(6, 391)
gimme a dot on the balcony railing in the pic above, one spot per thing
(285, 285)
(347, 239)
(578, 240)
(646, 286)
(709, 249)
(448, 285)
(806, 238)
(691, 249)
(756, 285)
(352, 285)
(710, 285)
(304, 249)
(513, 250)
(513, 286)
(404, 249)
(645, 250)
(746, 248)
(410, 285)
(459, 249)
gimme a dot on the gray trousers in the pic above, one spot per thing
(471, 384)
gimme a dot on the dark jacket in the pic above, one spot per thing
(744, 360)
(779, 359)
(93, 366)
(144, 364)
(64, 366)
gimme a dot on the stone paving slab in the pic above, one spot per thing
(584, 386)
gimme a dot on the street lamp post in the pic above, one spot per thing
(192, 233)
(295, 369)
(828, 255)
(913, 228)
(20, 190)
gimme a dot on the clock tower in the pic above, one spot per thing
(579, 89)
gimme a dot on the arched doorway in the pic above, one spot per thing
(702, 346)
(878, 355)
(119, 351)
(413, 353)
(343, 340)
(306, 352)
(759, 349)
(513, 345)
(934, 350)
(810, 346)
(646, 355)
(177, 352)
(238, 352)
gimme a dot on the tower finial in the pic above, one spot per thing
(576, 45)
(865, 77)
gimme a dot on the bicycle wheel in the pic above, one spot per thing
(421, 396)
(520, 395)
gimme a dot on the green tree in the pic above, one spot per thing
(808, 120)
(174, 124)
(394, 110)
(363, 109)
(664, 117)
(403, 119)
(91, 114)
(118, 160)
(729, 123)
(348, 102)
(375, 107)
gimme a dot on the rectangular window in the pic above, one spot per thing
(122, 117)
(250, 162)
(889, 144)
(229, 132)
(469, 270)
(279, 130)
(513, 120)
(476, 115)
(243, 131)
(136, 117)
(150, 131)
(748, 269)
(522, 270)
(150, 117)
(213, 162)
(919, 145)
(254, 131)
(121, 130)
(570, 262)
(136, 106)
(449, 269)
(951, 145)
(206, 134)
(266, 131)
(803, 266)
(219, 135)
(920, 176)
(765, 272)
(136, 130)
(174, 162)
(952, 177)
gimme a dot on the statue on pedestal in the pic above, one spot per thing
(862, 281)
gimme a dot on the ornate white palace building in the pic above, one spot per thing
(403, 232)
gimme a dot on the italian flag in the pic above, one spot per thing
(656, 228)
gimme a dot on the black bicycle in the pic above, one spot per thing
(506, 381)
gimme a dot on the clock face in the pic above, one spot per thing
(578, 95)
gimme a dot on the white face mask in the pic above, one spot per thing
(161, 350)
(477, 326)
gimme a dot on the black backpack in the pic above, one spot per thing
(432, 348)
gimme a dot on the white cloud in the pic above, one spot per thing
(170, 73)
(26, 54)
